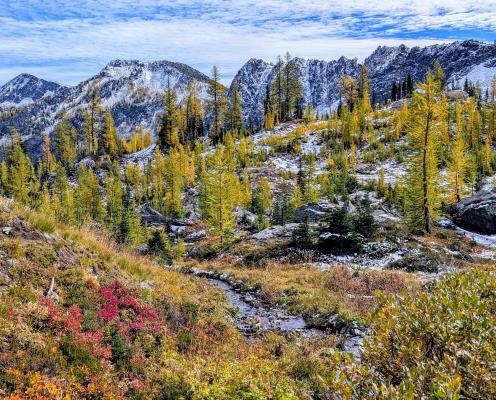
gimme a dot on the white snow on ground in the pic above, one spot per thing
(360, 261)
(140, 157)
(393, 171)
(24, 102)
(285, 163)
(482, 75)
(483, 240)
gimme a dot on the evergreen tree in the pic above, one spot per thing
(168, 129)
(457, 165)
(23, 184)
(134, 180)
(234, 117)
(4, 178)
(427, 124)
(63, 197)
(217, 105)
(218, 194)
(277, 90)
(292, 91)
(65, 142)
(159, 244)
(364, 89)
(306, 177)
(438, 74)
(269, 115)
(261, 201)
(409, 85)
(394, 91)
(45, 204)
(131, 231)
(156, 178)
(114, 193)
(245, 194)
(487, 157)
(284, 210)
(110, 140)
(46, 163)
(174, 184)
(88, 205)
(92, 122)
(349, 91)
(194, 112)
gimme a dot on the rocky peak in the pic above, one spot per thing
(25, 89)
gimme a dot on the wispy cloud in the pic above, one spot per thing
(70, 40)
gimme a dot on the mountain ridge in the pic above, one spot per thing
(131, 89)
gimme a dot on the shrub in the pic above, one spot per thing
(435, 344)
(184, 341)
(43, 223)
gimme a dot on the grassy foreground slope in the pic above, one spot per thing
(119, 326)
(115, 325)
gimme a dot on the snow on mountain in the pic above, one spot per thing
(131, 90)
(469, 59)
(25, 89)
(388, 64)
(252, 80)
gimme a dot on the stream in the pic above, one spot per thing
(253, 317)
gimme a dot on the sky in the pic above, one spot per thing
(69, 41)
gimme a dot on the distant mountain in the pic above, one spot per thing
(25, 89)
(468, 59)
(131, 90)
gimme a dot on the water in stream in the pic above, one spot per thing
(254, 317)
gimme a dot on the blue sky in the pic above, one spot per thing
(69, 41)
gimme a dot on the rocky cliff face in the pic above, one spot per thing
(25, 89)
(473, 60)
(131, 90)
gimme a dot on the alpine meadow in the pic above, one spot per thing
(187, 215)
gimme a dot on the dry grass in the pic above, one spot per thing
(308, 290)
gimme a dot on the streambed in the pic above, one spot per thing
(253, 317)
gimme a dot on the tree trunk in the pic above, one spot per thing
(427, 216)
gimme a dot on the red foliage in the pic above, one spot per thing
(74, 319)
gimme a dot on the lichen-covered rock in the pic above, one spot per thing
(478, 213)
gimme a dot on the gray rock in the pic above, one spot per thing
(349, 207)
(150, 216)
(478, 213)
(192, 237)
(177, 229)
(315, 211)
(7, 230)
(276, 232)
(245, 217)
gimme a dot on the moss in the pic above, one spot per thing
(13, 248)
(43, 255)
(22, 293)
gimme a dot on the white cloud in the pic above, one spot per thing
(70, 40)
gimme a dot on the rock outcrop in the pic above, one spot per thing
(478, 213)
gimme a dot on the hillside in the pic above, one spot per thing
(340, 255)
(132, 90)
(83, 318)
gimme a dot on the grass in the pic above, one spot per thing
(313, 292)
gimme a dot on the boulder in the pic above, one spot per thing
(275, 232)
(150, 216)
(245, 217)
(478, 213)
(315, 211)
